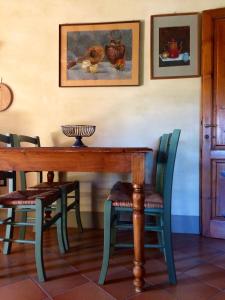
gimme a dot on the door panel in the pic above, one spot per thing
(213, 123)
(219, 83)
(218, 190)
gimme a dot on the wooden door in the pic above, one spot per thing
(213, 123)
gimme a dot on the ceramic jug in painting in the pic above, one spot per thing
(173, 48)
(115, 50)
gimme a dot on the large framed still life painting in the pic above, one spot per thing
(175, 47)
(99, 54)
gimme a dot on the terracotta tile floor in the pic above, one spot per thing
(200, 264)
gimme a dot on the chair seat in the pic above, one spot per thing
(121, 196)
(28, 197)
(68, 185)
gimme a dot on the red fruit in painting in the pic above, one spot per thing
(120, 64)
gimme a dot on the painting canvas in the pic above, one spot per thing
(175, 46)
(103, 54)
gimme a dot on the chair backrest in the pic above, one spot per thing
(28, 141)
(161, 162)
(8, 141)
(168, 174)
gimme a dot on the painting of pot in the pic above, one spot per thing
(173, 43)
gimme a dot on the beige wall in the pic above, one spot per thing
(129, 116)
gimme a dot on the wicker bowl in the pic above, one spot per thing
(78, 131)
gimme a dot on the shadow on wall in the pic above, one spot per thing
(57, 136)
(20, 123)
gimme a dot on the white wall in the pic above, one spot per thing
(124, 116)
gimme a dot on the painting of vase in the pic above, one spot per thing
(101, 54)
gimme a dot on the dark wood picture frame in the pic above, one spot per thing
(175, 45)
(99, 54)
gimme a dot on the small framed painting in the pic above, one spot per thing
(99, 54)
(175, 49)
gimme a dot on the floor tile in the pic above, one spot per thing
(210, 274)
(185, 261)
(22, 290)
(88, 291)
(153, 294)
(219, 296)
(119, 283)
(201, 251)
(219, 261)
(189, 288)
(156, 271)
(63, 281)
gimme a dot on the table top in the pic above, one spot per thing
(87, 159)
(78, 149)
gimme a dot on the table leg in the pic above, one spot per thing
(50, 178)
(138, 223)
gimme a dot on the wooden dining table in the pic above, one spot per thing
(92, 159)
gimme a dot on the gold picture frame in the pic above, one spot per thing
(99, 54)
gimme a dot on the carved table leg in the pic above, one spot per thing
(50, 178)
(138, 222)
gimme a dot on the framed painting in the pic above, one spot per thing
(99, 54)
(175, 49)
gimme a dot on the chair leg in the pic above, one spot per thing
(77, 207)
(107, 239)
(113, 233)
(9, 231)
(78, 218)
(160, 235)
(39, 240)
(59, 224)
(169, 254)
(22, 230)
(64, 219)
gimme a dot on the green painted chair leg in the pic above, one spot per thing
(78, 218)
(77, 207)
(113, 233)
(64, 219)
(169, 255)
(9, 231)
(59, 225)
(107, 239)
(22, 230)
(160, 235)
(39, 240)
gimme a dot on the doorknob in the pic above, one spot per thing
(210, 125)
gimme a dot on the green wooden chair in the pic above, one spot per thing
(9, 179)
(35, 200)
(65, 187)
(157, 204)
